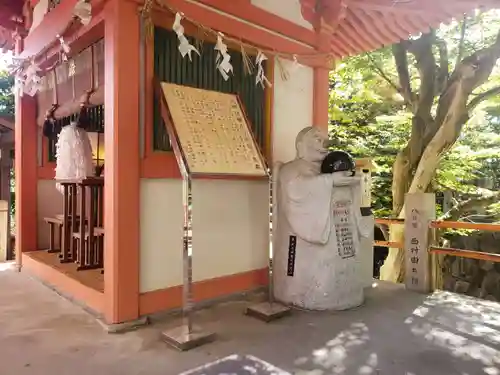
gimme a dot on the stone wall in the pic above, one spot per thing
(476, 278)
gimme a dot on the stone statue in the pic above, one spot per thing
(317, 229)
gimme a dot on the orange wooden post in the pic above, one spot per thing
(321, 90)
(321, 98)
(121, 200)
(26, 162)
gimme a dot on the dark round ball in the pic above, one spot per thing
(337, 161)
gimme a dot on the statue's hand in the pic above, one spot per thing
(343, 180)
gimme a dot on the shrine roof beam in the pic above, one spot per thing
(422, 6)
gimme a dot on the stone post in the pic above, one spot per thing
(366, 243)
(420, 210)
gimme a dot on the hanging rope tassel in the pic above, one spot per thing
(248, 66)
(73, 155)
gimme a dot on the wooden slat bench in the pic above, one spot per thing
(54, 223)
(90, 248)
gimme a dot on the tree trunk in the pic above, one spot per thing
(416, 164)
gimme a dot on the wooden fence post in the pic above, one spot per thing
(420, 210)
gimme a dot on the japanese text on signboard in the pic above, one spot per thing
(415, 248)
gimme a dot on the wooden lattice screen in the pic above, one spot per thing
(201, 72)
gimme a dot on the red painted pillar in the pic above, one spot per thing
(321, 98)
(321, 78)
(121, 175)
(26, 162)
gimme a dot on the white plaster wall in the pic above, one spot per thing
(230, 218)
(50, 204)
(230, 230)
(287, 9)
(161, 229)
(230, 227)
(293, 108)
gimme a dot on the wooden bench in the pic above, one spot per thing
(90, 248)
(53, 223)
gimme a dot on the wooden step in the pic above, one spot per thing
(53, 220)
(61, 217)
(87, 234)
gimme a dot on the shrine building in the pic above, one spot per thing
(118, 252)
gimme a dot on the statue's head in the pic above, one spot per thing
(311, 144)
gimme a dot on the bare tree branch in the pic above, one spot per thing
(399, 52)
(426, 65)
(472, 72)
(386, 78)
(443, 73)
(462, 41)
(479, 98)
(458, 210)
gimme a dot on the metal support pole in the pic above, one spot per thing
(270, 310)
(270, 282)
(187, 288)
(187, 336)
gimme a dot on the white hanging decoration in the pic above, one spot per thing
(185, 48)
(73, 155)
(223, 59)
(71, 68)
(18, 86)
(284, 73)
(261, 77)
(32, 80)
(65, 47)
(16, 64)
(27, 78)
(295, 65)
(83, 11)
(16, 68)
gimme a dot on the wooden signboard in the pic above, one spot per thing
(420, 211)
(211, 132)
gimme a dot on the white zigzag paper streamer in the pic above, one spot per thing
(185, 48)
(223, 59)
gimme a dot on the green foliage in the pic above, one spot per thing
(369, 119)
(6, 94)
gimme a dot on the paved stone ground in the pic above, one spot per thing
(394, 333)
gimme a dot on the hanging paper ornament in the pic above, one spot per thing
(32, 80)
(295, 64)
(83, 11)
(73, 155)
(16, 64)
(65, 47)
(284, 73)
(71, 68)
(223, 59)
(261, 77)
(185, 48)
(27, 78)
(247, 62)
(18, 86)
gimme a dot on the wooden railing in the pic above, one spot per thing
(440, 224)
(88, 241)
(80, 228)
